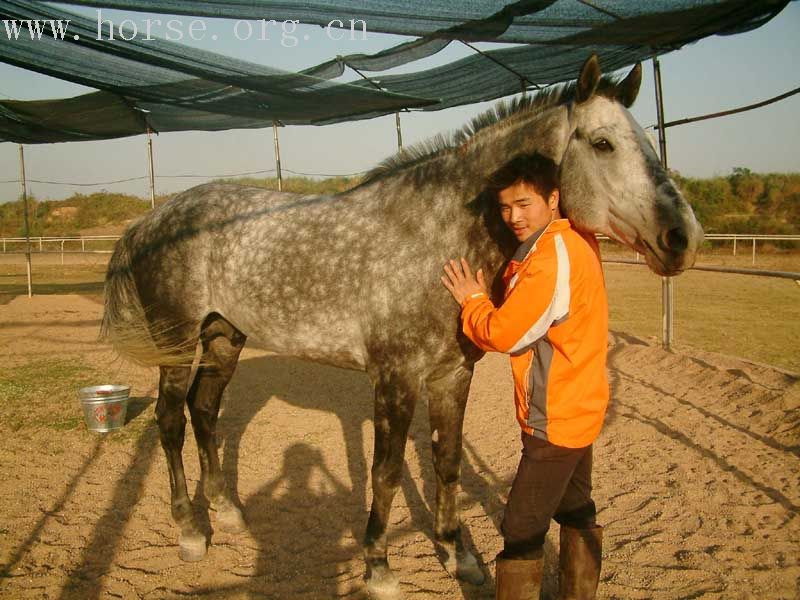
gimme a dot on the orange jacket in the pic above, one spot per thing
(554, 324)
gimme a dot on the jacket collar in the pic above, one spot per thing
(529, 245)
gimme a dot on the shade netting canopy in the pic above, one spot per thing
(166, 86)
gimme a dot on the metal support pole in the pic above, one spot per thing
(667, 289)
(27, 223)
(277, 154)
(734, 244)
(151, 170)
(399, 132)
(754, 251)
(396, 115)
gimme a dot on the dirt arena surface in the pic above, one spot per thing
(697, 478)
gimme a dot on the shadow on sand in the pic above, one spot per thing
(307, 521)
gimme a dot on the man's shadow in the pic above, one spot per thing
(287, 507)
(305, 510)
(306, 385)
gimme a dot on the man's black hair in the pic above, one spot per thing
(535, 169)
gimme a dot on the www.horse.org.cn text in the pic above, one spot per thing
(178, 30)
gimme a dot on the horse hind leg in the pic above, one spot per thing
(447, 400)
(221, 344)
(394, 409)
(172, 389)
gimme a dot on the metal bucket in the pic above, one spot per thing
(104, 406)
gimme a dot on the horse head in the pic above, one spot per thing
(612, 181)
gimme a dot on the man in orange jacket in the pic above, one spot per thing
(554, 324)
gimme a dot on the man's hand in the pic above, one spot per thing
(460, 281)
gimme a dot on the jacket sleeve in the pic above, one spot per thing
(527, 313)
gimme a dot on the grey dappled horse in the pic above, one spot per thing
(352, 280)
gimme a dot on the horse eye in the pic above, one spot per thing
(603, 145)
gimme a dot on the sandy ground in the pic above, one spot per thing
(697, 478)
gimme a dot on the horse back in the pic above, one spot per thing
(344, 279)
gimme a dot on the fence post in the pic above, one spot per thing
(667, 294)
(62, 253)
(754, 251)
(83, 244)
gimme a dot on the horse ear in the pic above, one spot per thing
(588, 79)
(628, 88)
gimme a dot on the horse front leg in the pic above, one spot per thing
(394, 409)
(447, 400)
(172, 389)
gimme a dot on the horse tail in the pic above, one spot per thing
(126, 325)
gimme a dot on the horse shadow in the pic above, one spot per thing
(348, 395)
(136, 406)
(316, 517)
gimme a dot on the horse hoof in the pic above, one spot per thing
(467, 569)
(231, 520)
(383, 584)
(461, 565)
(192, 547)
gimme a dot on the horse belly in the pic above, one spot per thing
(327, 336)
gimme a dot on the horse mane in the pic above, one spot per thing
(503, 114)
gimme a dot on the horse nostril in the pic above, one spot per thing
(676, 240)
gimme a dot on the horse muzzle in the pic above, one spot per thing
(674, 250)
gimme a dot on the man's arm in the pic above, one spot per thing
(524, 317)
(537, 299)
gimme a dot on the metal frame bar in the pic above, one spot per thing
(277, 144)
(399, 131)
(521, 77)
(667, 287)
(396, 115)
(733, 111)
(27, 221)
(151, 169)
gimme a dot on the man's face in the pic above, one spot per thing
(524, 210)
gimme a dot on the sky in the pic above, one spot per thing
(715, 74)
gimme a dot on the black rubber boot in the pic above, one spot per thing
(518, 579)
(579, 562)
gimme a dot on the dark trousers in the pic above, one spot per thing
(552, 482)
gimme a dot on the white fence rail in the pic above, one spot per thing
(57, 245)
(736, 238)
(77, 244)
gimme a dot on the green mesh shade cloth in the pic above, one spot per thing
(524, 21)
(171, 87)
(164, 85)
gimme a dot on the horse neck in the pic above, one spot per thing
(446, 189)
(545, 133)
